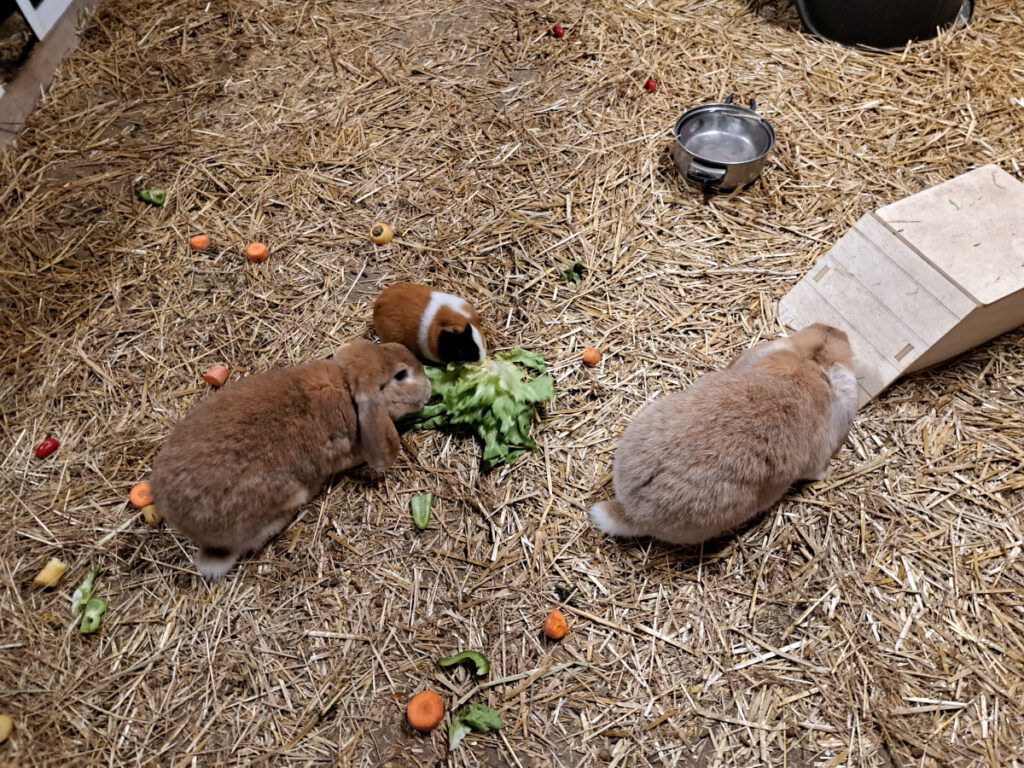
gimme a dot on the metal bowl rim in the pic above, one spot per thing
(725, 107)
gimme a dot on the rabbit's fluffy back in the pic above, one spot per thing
(694, 464)
(224, 465)
(236, 468)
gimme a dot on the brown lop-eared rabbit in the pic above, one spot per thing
(235, 470)
(695, 464)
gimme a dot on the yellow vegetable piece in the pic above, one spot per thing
(151, 516)
(381, 233)
(51, 573)
(6, 726)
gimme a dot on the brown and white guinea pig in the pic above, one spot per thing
(435, 326)
(233, 472)
(695, 464)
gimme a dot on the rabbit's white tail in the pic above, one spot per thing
(214, 563)
(610, 517)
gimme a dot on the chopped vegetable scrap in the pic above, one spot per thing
(83, 592)
(151, 516)
(257, 252)
(217, 376)
(153, 196)
(591, 357)
(574, 273)
(199, 242)
(141, 495)
(475, 717)
(92, 617)
(6, 726)
(91, 608)
(555, 625)
(51, 573)
(425, 711)
(558, 31)
(651, 85)
(381, 234)
(496, 398)
(480, 663)
(420, 506)
(47, 447)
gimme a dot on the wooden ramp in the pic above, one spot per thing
(922, 280)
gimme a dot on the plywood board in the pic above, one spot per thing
(919, 270)
(970, 228)
(805, 305)
(863, 269)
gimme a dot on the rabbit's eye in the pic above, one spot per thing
(401, 374)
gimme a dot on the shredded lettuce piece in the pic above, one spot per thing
(496, 398)
(475, 717)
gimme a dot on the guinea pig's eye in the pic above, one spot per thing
(401, 374)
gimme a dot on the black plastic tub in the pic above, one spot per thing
(880, 23)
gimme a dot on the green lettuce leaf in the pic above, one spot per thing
(497, 399)
(475, 717)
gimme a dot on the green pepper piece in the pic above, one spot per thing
(475, 717)
(93, 616)
(574, 274)
(84, 591)
(480, 662)
(153, 196)
(420, 506)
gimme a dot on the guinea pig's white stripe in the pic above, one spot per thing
(479, 342)
(438, 300)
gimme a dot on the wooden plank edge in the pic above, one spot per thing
(22, 94)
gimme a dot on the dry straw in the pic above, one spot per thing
(874, 619)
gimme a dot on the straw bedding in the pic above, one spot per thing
(873, 619)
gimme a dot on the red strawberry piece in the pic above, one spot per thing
(558, 31)
(650, 85)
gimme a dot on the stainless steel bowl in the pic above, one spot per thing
(721, 146)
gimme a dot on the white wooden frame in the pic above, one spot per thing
(43, 17)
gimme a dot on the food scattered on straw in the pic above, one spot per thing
(476, 717)
(574, 273)
(591, 357)
(257, 252)
(481, 665)
(92, 616)
(425, 711)
(90, 607)
(496, 398)
(141, 495)
(420, 506)
(83, 592)
(217, 376)
(51, 573)
(47, 447)
(153, 196)
(6, 726)
(199, 242)
(151, 516)
(555, 625)
(381, 233)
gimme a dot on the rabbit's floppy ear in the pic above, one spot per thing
(366, 368)
(378, 437)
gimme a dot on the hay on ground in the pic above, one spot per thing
(873, 619)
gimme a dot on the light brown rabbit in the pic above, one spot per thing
(695, 464)
(235, 470)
